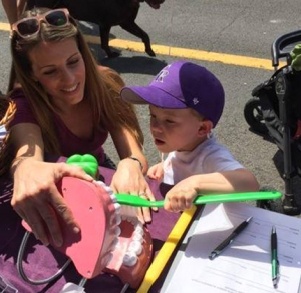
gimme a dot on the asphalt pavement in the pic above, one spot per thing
(230, 38)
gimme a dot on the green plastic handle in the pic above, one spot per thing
(136, 201)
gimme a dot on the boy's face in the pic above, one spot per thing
(176, 129)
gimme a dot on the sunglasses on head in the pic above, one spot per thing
(30, 26)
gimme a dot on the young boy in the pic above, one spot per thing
(186, 102)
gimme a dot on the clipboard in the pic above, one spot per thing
(241, 252)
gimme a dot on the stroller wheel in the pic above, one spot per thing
(254, 117)
(271, 205)
(290, 206)
(274, 205)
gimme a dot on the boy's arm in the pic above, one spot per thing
(182, 195)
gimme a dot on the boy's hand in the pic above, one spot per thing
(180, 197)
(156, 172)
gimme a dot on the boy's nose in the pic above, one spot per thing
(156, 126)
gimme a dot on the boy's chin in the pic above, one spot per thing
(164, 149)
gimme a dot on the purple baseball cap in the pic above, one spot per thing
(182, 85)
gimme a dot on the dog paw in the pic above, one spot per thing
(113, 54)
(150, 52)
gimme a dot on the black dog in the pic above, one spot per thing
(105, 13)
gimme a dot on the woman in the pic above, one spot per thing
(66, 104)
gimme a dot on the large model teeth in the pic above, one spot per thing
(133, 220)
(139, 228)
(117, 231)
(131, 247)
(135, 247)
(112, 197)
(108, 189)
(117, 207)
(108, 257)
(138, 238)
(129, 211)
(130, 259)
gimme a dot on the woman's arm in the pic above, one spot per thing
(27, 140)
(129, 176)
(127, 146)
(35, 196)
(182, 195)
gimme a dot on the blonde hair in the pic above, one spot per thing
(102, 87)
(7, 111)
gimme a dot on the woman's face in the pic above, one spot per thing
(60, 69)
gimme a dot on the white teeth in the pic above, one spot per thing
(100, 183)
(115, 243)
(70, 89)
(108, 189)
(117, 219)
(135, 247)
(130, 259)
(117, 231)
(137, 237)
(134, 221)
(112, 196)
(139, 229)
(117, 207)
(108, 258)
(129, 211)
(124, 218)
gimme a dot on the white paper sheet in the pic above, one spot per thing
(244, 266)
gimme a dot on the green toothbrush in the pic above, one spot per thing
(89, 164)
(133, 200)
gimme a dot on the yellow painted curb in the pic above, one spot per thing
(179, 52)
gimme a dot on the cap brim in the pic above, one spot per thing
(151, 95)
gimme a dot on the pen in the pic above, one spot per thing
(218, 250)
(274, 258)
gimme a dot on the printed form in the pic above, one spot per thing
(245, 265)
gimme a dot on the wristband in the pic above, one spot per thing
(137, 160)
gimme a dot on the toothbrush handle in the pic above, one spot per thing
(202, 199)
(231, 197)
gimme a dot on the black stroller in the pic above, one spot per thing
(275, 110)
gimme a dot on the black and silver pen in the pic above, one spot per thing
(274, 258)
(218, 250)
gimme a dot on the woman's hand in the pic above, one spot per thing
(128, 178)
(37, 200)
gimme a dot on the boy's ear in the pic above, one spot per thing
(205, 127)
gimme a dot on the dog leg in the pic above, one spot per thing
(104, 32)
(135, 30)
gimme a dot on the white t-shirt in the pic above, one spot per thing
(208, 157)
